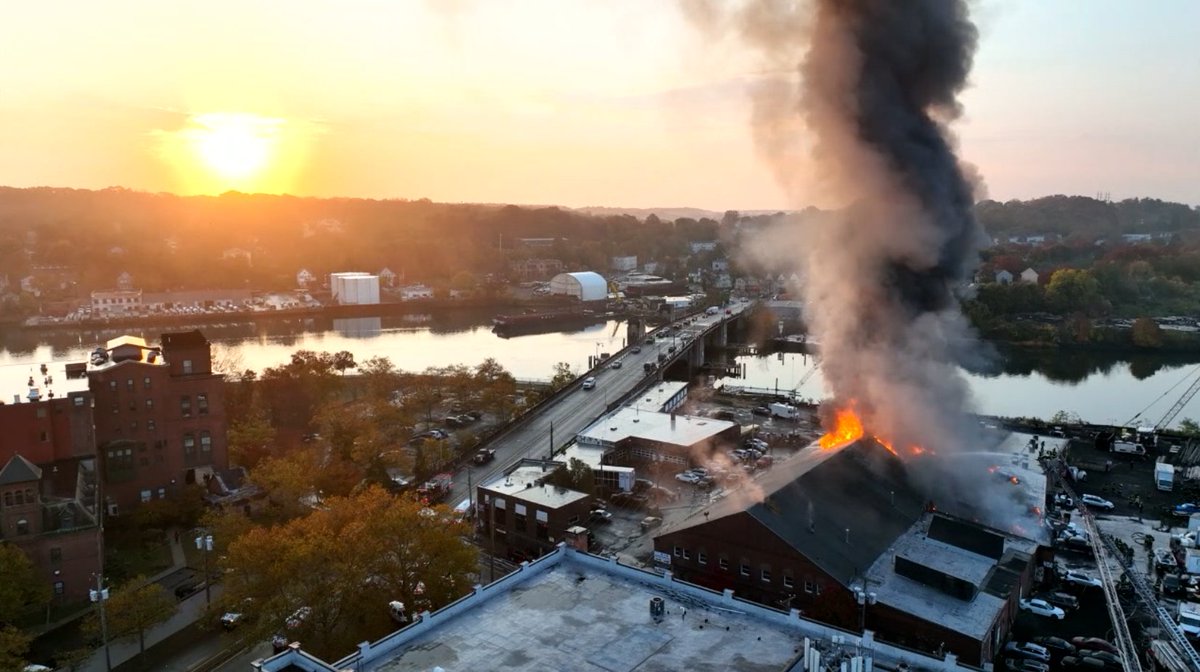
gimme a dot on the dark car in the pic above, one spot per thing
(484, 456)
(1057, 646)
(1106, 657)
(636, 349)
(474, 415)
(761, 410)
(1093, 643)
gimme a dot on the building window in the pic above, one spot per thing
(723, 563)
(129, 384)
(162, 493)
(809, 586)
(20, 498)
(702, 557)
(150, 425)
(185, 406)
(543, 531)
(679, 551)
(205, 441)
(766, 575)
(59, 587)
(189, 445)
(22, 526)
(30, 498)
(112, 385)
(8, 499)
(687, 555)
(79, 401)
(202, 404)
(41, 411)
(116, 407)
(498, 515)
(55, 555)
(187, 366)
(519, 523)
(788, 582)
(745, 569)
(149, 404)
(45, 436)
(133, 405)
(146, 494)
(146, 383)
(133, 426)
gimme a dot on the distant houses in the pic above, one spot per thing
(1029, 275)
(1004, 277)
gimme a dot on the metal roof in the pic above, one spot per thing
(19, 470)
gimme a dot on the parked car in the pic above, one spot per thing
(231, 619)
(1057, 646)
(1043, 608)
(589, 383)
(474, 415)
(1027, 650)
(761, 410)
(1064, 600)
(650, 522)
(1187, 509)
(686, 477)
(1064, 500)
(1082, 643)
(1108, 657)
(1026, 665)
(1077, 663)
(1080, 579)
(1094, 502)
(601, 516)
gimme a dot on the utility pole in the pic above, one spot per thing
(204, 542)
(100, 596)
(551, 440)
(492, 534)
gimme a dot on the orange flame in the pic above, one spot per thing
(1014, 480)
(887, 444)
(847, 428)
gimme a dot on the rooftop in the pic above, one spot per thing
(522, 482)
(987, 576)
(570, 611)
(678, 429)
(657, 397)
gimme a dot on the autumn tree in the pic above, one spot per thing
(292, 392)
(22, 589)
(496, 387)
(380, 378)
(251, 439)
(1146, 333)
(134, 608)
(562, 376)
(400, 551)
(343, 361)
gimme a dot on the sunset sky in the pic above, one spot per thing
(571, 102)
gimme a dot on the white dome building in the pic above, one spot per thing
(585, 286)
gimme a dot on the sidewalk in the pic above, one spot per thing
(191, 610)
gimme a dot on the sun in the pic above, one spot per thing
(236, 150)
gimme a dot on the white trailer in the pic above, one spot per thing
(1164, 476)
(784, 411)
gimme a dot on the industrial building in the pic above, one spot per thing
(570, 610)
(354, 288)
(849, 539)
(585, 286)
(530, 515)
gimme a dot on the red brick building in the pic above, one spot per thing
(160, 416)
(531, 516)
(845, 538)
(48, 490)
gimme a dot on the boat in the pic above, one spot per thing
(543, 320)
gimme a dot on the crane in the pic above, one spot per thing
(1179, 404)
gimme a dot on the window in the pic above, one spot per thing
(543, 531)
(22, 526)
(185, 406)
(765, 575)
(146, 383)
(146, 494)
(723, 563)
(788, 582)
(20, 498)
(149, 404)
(687, 555)
(809, 586)
(162, 493)
(8, 499)
(679, 551)
(55, 555)
(30, 498)
(702, 557)
(133, 405)
(519, 523)
(499, 516)
(116, 407)
(745, 569)
(202, 404)
(187, 366)
(112, 385)
(129, 384)
(150, 425)
(133, 426)
(59, 587)
(189, 445)
(41, 411)
(78, 401)
(205, 441)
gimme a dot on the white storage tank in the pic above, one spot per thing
(354, 288)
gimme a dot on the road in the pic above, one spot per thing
(577, 408)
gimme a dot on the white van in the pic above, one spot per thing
(1128, 448)
(712, 310)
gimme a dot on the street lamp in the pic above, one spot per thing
(99, 595)
(204, 542)
(863, 598)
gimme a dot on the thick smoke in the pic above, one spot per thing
(878, 86)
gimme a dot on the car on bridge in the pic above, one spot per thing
(589, 383)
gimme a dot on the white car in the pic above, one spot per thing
(1028, 650)
(1043, 608)
(686, 477)
(1097, 502)
(1081, 579)
(589, 383)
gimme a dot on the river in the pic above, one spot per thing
(1099, 387)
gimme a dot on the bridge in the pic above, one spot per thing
(677, 351)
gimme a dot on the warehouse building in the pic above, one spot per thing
(585, 286)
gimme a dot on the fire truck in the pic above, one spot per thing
(435, 489)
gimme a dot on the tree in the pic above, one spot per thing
(22, 588)
(1146, 333)
(563, 375)
(133, 609)
(402, 551)
(251, 440)
(580, 476)
(380, 378)
(13, 645)
(1071, 290)
(1189, 427)
(343, 361)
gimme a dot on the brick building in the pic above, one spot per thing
(847, 539)
(160, 416)
(48, 490)
(531, 516)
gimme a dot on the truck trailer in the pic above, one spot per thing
(1164, 476)
(784, 411)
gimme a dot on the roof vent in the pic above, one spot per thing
(636, 419)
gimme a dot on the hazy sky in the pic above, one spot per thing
(573, 102)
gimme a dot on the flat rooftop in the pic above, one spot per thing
(657, 397)
(680, 430)
(568, 619)
(522, 483)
